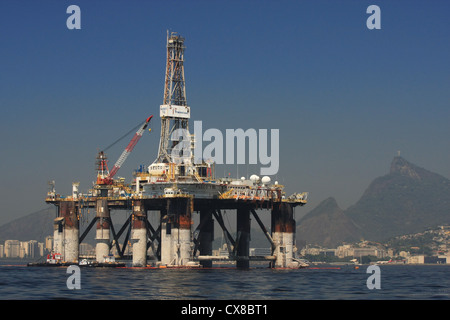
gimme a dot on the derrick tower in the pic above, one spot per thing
(174, 111)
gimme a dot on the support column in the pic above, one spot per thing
(243, 238)
(166, 236)
(206, 236)
(139, 234)
(68, 211)
(102, 233)
(176, 249)
(58, 232)
(283, 235)
(181, 233)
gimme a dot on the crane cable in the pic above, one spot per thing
(122, 137)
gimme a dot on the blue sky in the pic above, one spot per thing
(344, 97)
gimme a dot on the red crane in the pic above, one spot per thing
(103, 177)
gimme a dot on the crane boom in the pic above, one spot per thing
(129, 148)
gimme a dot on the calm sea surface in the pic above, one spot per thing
(17, 281)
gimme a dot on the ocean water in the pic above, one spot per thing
(397, 282)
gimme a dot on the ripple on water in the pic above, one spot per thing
(397, 282)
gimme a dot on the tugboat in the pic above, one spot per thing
(302, 263)
(85, 262)
(54, 259)
(109, 261)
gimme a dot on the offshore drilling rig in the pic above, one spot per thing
(174, 187)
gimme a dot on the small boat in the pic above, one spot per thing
(85, 262)
(54, 258)
(302, 263)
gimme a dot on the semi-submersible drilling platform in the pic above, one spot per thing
(175, 190)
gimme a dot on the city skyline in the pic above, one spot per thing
(346, 99)
(434, 252)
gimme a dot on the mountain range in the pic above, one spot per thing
(35, 226)
(408, 199)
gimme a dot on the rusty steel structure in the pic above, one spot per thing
(172, 193)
